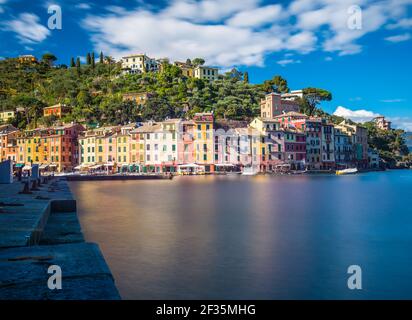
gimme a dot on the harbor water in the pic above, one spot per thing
(255, 237)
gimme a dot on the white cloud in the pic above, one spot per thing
(399, 38)
(392, 100)
(83, 6)
(328, 58)
(178, 39)
(1, 3)
(257, 17)
(403, 23)
(285, 62)
(28, 28)
(404, 123)
(207, 10)
(227, 32)
(355, 115)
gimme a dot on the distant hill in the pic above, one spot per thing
(408, 139)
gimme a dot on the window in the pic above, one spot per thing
(173, 147)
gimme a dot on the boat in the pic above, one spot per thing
(346, 171)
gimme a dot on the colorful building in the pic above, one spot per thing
(6, 115)
(8, 142)
(382, 123)
(343, 149)
(207, 73)
(328, 146)
(204, 141)
(274, 105)
(58, 110)
(139, 97)
(187, 68)
(139, 63)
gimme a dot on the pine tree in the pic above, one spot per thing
(89, 59)
(93, 60)
(246, 77)
(78, 65)
(72, 63)
(101, 57)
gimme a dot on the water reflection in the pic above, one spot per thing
(252, 237)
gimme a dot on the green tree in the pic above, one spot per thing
(78, 66)
(101, 57)
(93, 61)
(246, 77)
(312, 97)
(198, 62)
(88, 59)
(48, 59)
(72, 63)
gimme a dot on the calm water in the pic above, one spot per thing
(261, 237)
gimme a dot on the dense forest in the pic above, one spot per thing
(94, 91)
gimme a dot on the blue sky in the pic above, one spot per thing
(362, 57)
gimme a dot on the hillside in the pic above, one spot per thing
(95, 93)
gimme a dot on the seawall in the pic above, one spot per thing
(38, 229)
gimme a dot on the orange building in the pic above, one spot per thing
(55, 148)
(8, 142)
(57, 110)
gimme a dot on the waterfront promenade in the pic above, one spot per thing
(41, 229)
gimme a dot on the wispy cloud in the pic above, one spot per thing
(399, 38)
(1, 7)
(285, 62)
(392, 100)
(83, 6)
(401, 24)
(355, 115)
(27, 28)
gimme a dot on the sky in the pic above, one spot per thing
(360, 50)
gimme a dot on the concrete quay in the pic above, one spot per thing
(40, 229)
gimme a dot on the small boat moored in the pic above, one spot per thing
(346, 171)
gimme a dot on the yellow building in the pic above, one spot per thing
(208, 73)
(6, 115)
(33, 147)
(203, 140)
(123, 150)
(187, 69)
(97, 146)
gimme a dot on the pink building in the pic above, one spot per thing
(186, 143)
(273, 105)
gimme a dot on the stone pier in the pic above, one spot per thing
(39, 229)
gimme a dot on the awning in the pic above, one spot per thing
(43, 166)
(96, 166)
(224, 165)
(53, 165)
(77, 167)
(19, 165)
(27, 167)
(109, 164)
(190, 165)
